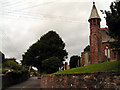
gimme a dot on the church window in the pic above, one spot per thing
(107, 52)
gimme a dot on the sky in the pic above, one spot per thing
(23, 22)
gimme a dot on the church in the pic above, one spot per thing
(100, 50)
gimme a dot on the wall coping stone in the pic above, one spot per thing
(80, 74)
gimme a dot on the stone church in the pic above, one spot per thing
(99, 42)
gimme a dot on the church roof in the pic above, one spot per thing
(105, 36)
(94, 13)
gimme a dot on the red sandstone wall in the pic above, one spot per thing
(95, 44)
(82, 59)
(87, 80)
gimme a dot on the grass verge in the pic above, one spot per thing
(100, 67)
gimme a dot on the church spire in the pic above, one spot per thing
(94, 13)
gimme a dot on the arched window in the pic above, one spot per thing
(107, 52)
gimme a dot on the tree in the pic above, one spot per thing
(51, 64)
(48, 46)
(74, 61)
(113, 22)
(12, 65)
(87, 48)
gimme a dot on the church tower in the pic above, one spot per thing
(95, 36)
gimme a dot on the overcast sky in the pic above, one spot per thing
(23, 22)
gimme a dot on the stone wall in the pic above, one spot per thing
(87, 80)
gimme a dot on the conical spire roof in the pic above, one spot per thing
(94, 13)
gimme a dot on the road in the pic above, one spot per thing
(31, 84)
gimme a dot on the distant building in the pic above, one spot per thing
(117, 0)
(100, 50)
(2, 57)
(65, 67)
(78, 62)
(11, 59)
(85, 58)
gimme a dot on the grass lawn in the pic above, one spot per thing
(100, 67)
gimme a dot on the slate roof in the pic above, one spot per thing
(94, 13)
(105, 36)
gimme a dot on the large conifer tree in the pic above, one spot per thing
(49, 45)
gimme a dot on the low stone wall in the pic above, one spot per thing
(86, 80)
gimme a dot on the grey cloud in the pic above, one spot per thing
(69, 20)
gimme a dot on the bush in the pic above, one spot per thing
(3, 71)
(12, 65)
(31, 72)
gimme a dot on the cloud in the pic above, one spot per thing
(25, 24)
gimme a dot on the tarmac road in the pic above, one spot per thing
(31, 84)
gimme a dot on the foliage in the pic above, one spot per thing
(3, 71)
(87, 48)
(100, 67)
(74, 61)
(20, 71)
(31, 72)
(113, 22)
(48, 46)
(51, 64)
(12, 65)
